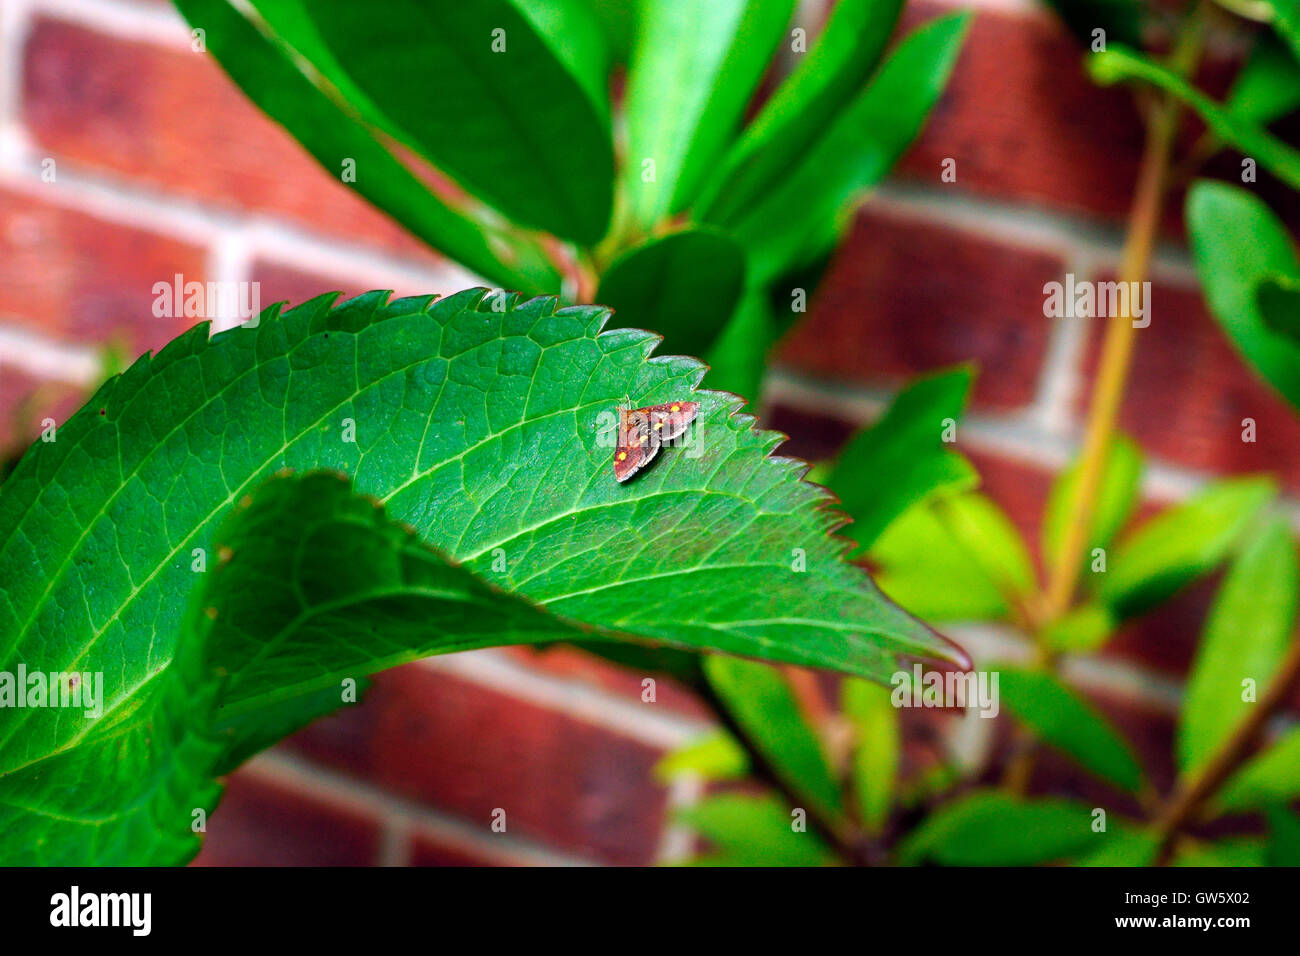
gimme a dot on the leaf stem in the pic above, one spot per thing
(838, 834)
(1187, 799)
(1117, 349)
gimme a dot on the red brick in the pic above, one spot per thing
(426, 851)
(1189, 391)
(1166, 637)
(572, 663)
(1024, 122)
(172, 119)
(75, 277)
(260, 824)
(903, 297)
(469, 750)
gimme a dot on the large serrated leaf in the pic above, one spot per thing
(315, 588)
(478, 422)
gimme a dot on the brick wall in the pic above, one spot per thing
(162, 167)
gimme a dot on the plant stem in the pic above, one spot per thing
(1117, 350)
(1187, 799)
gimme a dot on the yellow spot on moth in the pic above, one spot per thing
(658, 425)
(676, 408)
(622, 456)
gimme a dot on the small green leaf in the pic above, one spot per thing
(694, 65)
(764, 707)
(1177, 546)
(1278, 298)
(273, 81)
(823, 83)
(1082, 630)
(738, 357)
(794, 223)
(1124, 848)
(753, 831)
(714, 757)
(1268, 87)
(953, 558)
(685, 286)
(877, 749)
(1116, 499)
(490, 98)
(1284, 837)
(989, 828)
(1070, 724)
(901, 459)
(1247, 634)
(1238, 244)
(1271, 777)
(1232, 851)
(1116, 64)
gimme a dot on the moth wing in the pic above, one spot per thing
(670, 421)
(637, 445)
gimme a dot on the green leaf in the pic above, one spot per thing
(753, 831)
(1232, 851)
(794, 223)
(318, 587)
(877, 748)
(483, 423)
(1286, 21)
(714, 757)
(901, 459)
(277, 85)
(1284, 837)
(765, 710)
(1121, 19)
(1117, 496)
(1065, 721)
(1086, 628)
(1271, 777)
(1158, 558)
(1117, 63)
(1278, 298)
(526, 128)
(738, 357)
(694, 65)
(1268, 86)
(989, 828)
(807, 102)
(1238, 244)
(953, 558)
(685, 286)
(1246, 637)
(1124, 848)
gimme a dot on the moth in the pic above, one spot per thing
(642, 431)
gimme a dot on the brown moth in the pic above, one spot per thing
(641, 432)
